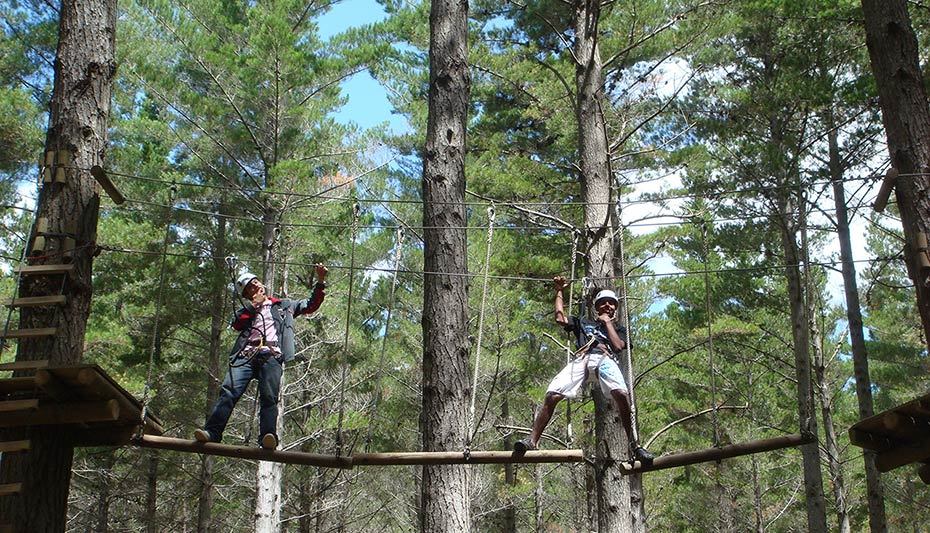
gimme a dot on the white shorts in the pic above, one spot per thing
(569, 381)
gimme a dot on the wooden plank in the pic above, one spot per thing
(10, 488)
(20, 384)
(39, 270)
(90, 381)
(243, 452)
(52, 386)
(38, 301)
(9, 406)
(881, 199)
(870, 441)
(15, 446)
(904, 454)
(24, 365)
(65, 413)
(458, 458)
(29, 333)
(716, 454)
(100, 175)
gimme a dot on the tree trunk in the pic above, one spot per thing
(445, 489)
(78, 112)
(508, 515)
(813, 477)
(104, 490)
(874, 488)
(895, 64)
(151, 491)
(217, 325)
(613, 489)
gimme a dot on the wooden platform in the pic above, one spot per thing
(93, 409)
(899, 436)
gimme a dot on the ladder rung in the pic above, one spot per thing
(24, 365)
(9, 406)
(43, 269)
(15, 446)
(10, 488)
(38, 301)
(28, 333)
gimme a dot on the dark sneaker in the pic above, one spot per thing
(269, 441)
(524, 445)
(642, 455)
(202, 435)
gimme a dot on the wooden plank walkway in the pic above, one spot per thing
(899, 436)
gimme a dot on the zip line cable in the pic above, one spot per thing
(470, 433)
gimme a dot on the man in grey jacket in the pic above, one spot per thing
(264, 344)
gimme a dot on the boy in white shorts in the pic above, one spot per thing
(595, 342)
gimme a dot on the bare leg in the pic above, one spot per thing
(622, 399)
(544, 415)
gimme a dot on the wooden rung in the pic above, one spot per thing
(100, 175)
(24, 365)
(63, 414)
(10, 406)
(19, 384)
(243, 452)
(38, 270)
(15, 446)
(38, 301)
(904, 454)
(29, 333)
(715, 454)
(10, 488)
(474, 457)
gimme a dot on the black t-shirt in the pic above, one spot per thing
(583, 329)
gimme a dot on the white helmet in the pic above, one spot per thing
(244, 279)
(606, 293)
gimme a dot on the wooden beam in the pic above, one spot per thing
(475, 457)
(24, 365)
(924, 473)
(891, 176)
(28, 333)
(39, 270)
(20, 384)
(904, 454)
(10, 488)
(10, 406)
(64, 413)
(15, 446)
(93, 379)
(716, 454)
(871, 441)
(243, 452)
(101, 176)
(38, 301)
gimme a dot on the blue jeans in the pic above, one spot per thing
(267, 370)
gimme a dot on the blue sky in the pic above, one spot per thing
(368, 104)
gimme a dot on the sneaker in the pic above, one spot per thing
(202, 435)
(642, 455)
(269, 441)
(524, 445)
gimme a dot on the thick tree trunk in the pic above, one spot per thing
(78, 112)
(613, 489)
(874, 488)
(445, 489)
(813, 477)
(895, 64)
(151, 492)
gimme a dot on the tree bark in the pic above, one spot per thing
(895, 63)
(813, 477)
(217, 325)
(445, 489)
(874, 488)
(78, 113)
(613, 489)
(151, 491)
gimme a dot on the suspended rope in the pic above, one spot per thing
(158, 300)
(569, 353)
(484, 298)
(710, 337)
(628, 349)
(345, 346)
(399, 241)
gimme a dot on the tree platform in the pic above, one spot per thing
(898, 436)
(92, 407)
